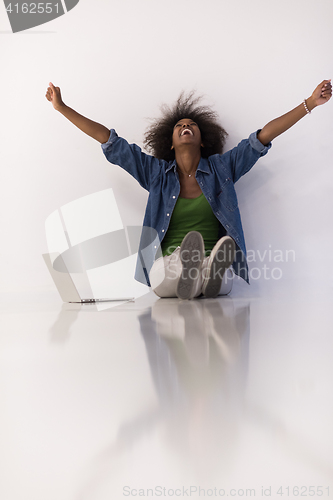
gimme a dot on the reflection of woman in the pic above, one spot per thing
(198, 354)
(192, 203)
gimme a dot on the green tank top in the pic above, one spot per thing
(191, 214)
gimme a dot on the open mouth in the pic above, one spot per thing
(186, 131)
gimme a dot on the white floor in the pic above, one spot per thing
(230, 395)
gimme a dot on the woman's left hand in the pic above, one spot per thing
(322, 93)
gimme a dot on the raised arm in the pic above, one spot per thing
(320, 95)
(93, 129)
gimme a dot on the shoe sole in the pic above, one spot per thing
(191, 248)
(216, 267)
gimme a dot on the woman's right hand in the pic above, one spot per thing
(53, 95)
(89, 127)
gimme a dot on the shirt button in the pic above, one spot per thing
(168, 215)
(155, 247)
(162, 230)
(173, 197)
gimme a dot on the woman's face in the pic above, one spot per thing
(186, 132)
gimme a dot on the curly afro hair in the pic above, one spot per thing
(158, 137)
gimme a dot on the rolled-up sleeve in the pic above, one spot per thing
(257, 145)
(108, 144)
(239, 160)
(129, 157)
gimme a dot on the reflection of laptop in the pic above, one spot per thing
(66, 287)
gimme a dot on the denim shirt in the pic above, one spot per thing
(216, 177)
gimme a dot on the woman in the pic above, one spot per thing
(192, 206)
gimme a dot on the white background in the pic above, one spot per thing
(117, 62)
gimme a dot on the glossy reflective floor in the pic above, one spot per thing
(228, 397)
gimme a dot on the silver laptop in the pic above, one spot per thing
(68, 290)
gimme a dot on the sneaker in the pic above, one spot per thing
(192, 252)
(221, 257)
